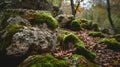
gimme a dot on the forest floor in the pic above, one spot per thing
(105, 57)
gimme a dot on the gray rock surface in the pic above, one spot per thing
(39, 37)
(18, 20)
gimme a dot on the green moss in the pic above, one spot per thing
(79, 24)
(96, 34)
(64, 32)
(72, 38)
(117, 37)
(88, 63)
(44, 17)
(86, 53)
(75, 25)
(111, 44)
(43, 61)
(9, 31)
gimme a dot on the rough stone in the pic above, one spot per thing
(42, 38)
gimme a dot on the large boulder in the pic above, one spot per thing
(34, 39)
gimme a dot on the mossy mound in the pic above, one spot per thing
(43, 61)
(7, 33)
(86, 53)
(96, 34)
(117, 37)
(85, 63)
(75, 25)
(79, 24)
(111, 44)
(72, 38)
(44, 17)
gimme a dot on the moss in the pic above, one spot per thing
(72, 38)
(117, 37)
(64, 32)
(79, 24)
(75, 25)
(86, 53)
(88, 63)
(43, 61)
(12, 29)
(9, 31)
(96, 34)
(111, 44)
(44, 17)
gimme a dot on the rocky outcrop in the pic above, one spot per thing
(41, 38)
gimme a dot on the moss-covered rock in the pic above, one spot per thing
(96, 34)
(75, 25)
(64, 20)
(43, 61)
(85, 62)
(117, 37)
(111, 44)
(43, 17)
(72, 38)
(11, 17)
(7, 33)
(86, 53)
(79, 24)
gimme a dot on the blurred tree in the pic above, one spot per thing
(109, 15)
(73, 8)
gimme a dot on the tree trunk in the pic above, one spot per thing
(72, 8)
(109, 16)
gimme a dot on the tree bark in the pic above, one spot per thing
(109, 16)
(72, 8)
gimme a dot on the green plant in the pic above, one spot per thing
(44, 17)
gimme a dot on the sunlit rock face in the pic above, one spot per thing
(42, 39)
